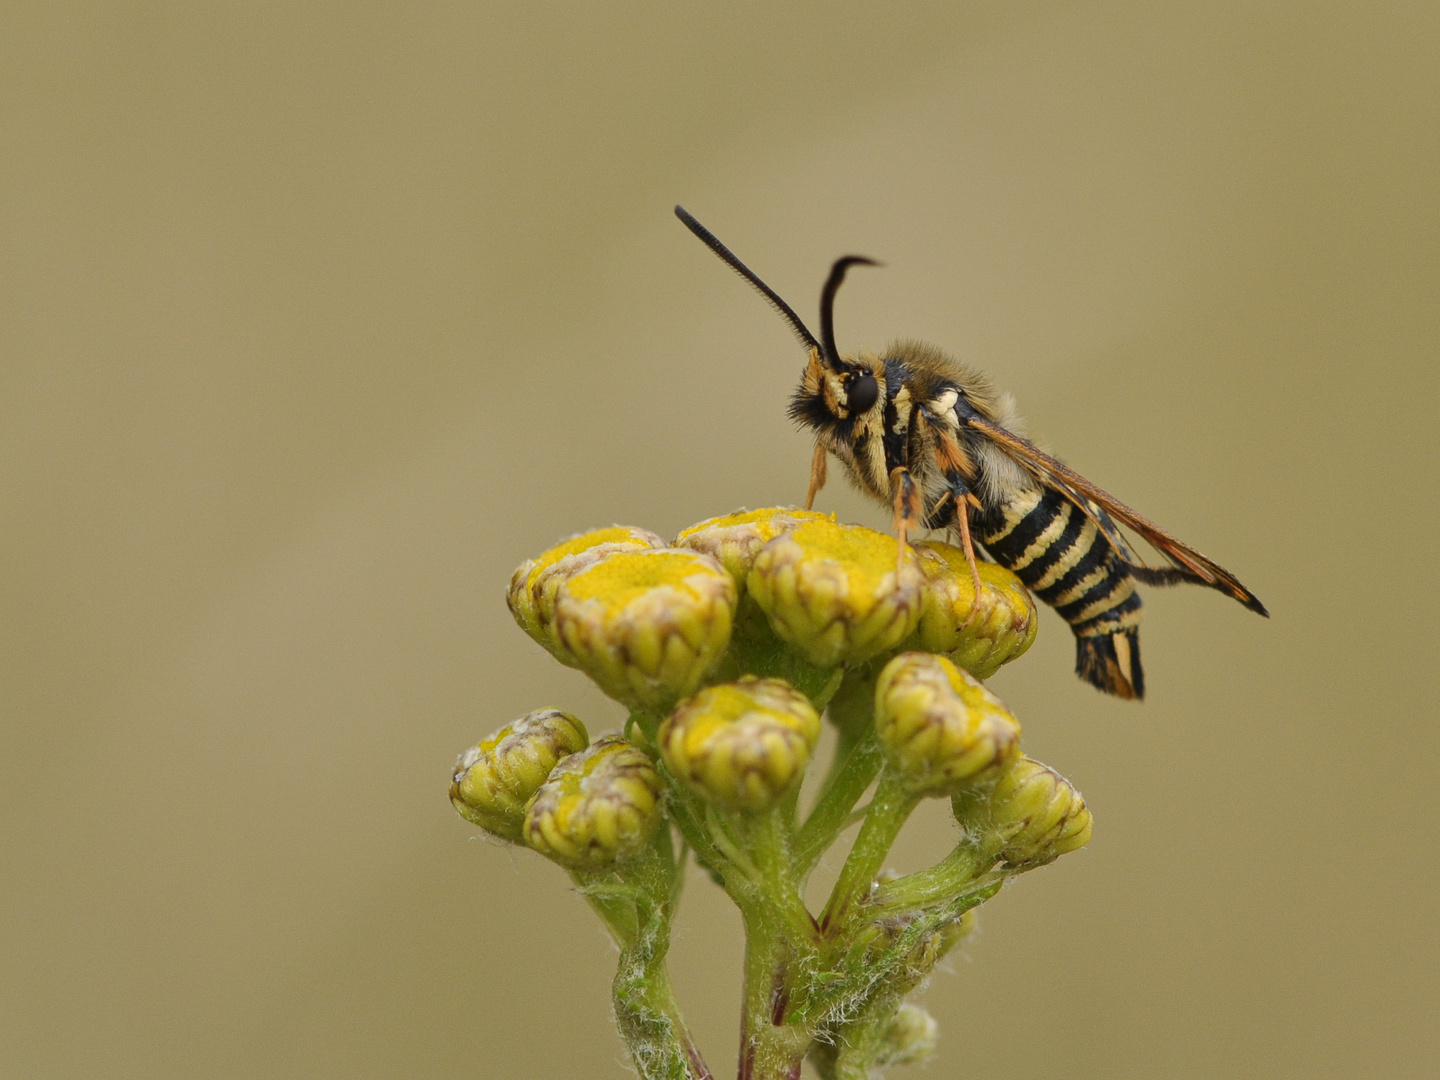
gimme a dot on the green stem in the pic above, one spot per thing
(615, 908)
(770, 1049)
(888, 812)
(648, 1016)
(649, 1020)
(849, 776)
(642, 727)
(769, 842)
(780, 943)
(957, 873)
(690, 816)
(860, 1043)
(852, 708)
(861, 975)
(822, 1058)
(855, 764)
(646, 1013)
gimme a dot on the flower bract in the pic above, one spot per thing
(599, 807)
(496, 778)
(837, 593)
(741, 745)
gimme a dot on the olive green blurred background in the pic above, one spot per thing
(315, 320)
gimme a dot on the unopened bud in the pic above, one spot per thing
(735, 539)
(494, 780)
(741, 745)
(979, 641)
(647, 626)
(939, 727)
(955, 931)
(599, 806)
(907, 971)
(911, 1036)
(1034, 813)
(531, 596)
(838, 593)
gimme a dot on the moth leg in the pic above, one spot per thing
(939, 516)
(817, 475)
(909, 509)
(964, 500)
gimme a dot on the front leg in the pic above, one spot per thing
(817, 474)
(908, 501)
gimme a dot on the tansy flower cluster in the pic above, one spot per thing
(727, 648)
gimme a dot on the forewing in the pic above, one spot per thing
(1100, 507)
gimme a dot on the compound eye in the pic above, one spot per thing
(861, 394)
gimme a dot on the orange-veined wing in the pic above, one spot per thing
(1189, 564)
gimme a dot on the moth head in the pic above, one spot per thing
(840, 391)
(862, 391)
(836, 387)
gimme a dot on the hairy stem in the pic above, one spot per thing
(849, 776)
(961, 871)
(646, 1013)
(857, 761)
(770, 1049)
(888, 812)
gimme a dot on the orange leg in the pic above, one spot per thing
(817, 475)
(962, 519)
(908, 509)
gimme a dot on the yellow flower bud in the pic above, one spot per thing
(531, 596)
(736, 538)
(647, 626)
(939, 727)
(494, 780)
(834, 591)
(599, 806)
(1001, 631)
(911, 1036)
(1033, 811)
(741, 745)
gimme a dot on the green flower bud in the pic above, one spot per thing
(835, 593)
(741, 745)
(979, 641)
(531, 596)
(939, 727)
(735, 539)
(494, 780)
(647, 626)
(953, 933)
(911, 1036)
(906, 972)
(599, 806)
(1033, 813)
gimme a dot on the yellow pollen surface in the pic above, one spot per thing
(487, 746)
(763, 519)
(865, 554)
(615, 534)
(621, 578)
(728, 702)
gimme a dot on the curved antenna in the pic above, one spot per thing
(827, 303)
(786, 311)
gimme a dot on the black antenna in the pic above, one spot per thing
(827, 303)
(786, 311)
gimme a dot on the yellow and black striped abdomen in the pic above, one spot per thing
(1056, 550)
